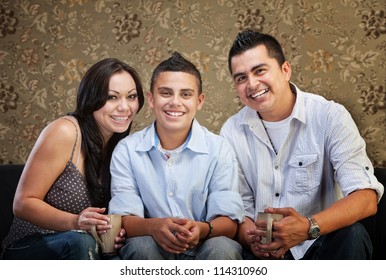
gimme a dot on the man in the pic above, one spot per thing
(294, 148)
(175, 182)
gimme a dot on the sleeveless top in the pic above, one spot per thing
(68, 193)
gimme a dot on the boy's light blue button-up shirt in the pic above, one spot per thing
(200, 182)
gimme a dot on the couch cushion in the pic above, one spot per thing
(380, 220)
(376, 225)
(9, 178)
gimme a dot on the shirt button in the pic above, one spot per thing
(277, 194)
(169, 162)
(276, 167)
(300, 163)
(171, 194)
(367, 168)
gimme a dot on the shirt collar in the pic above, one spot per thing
(195, 141)
(298, 110)
(147, 142)
(250, 117)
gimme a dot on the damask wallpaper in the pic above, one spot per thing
(336, 49)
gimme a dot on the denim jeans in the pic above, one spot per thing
(215, 248)
(70, 245)
(349, 243)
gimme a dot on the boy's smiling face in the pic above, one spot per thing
(175, 101)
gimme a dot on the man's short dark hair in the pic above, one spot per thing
(250, 38)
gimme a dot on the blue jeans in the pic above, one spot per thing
(349, 243)
(215, 248)
(68, 245)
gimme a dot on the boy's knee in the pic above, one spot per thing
(221, 248)
(140, 248)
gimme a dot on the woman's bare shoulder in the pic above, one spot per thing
(61, 133)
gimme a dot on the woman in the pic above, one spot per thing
(65, 186)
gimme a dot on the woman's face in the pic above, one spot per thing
(121, 106)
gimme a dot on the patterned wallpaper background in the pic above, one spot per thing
(336, 49)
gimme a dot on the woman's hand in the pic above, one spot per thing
(92, 216)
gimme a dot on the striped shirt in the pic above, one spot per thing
(321, 158)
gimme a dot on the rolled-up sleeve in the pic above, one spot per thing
(125, 197)
(224, 198)
(225, 203)
(347, 150)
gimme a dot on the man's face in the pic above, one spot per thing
(260, 82)
(175, 100)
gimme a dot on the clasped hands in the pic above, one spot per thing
(176, 235)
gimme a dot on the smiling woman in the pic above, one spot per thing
(55, 210)
(120, 108)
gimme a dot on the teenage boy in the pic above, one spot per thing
(174, 182)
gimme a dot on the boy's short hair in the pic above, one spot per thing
(176, 63)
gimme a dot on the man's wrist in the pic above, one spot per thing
(314, 230)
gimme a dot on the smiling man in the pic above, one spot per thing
(294, 148)
(174, 182)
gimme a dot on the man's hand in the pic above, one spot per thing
(286, 233)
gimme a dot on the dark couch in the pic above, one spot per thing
(376, 225)
(10, 174)
(9, 177)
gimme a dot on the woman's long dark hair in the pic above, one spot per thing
(92, 95)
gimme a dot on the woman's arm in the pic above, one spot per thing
(46, 162)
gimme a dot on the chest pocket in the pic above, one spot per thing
(305, 171)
